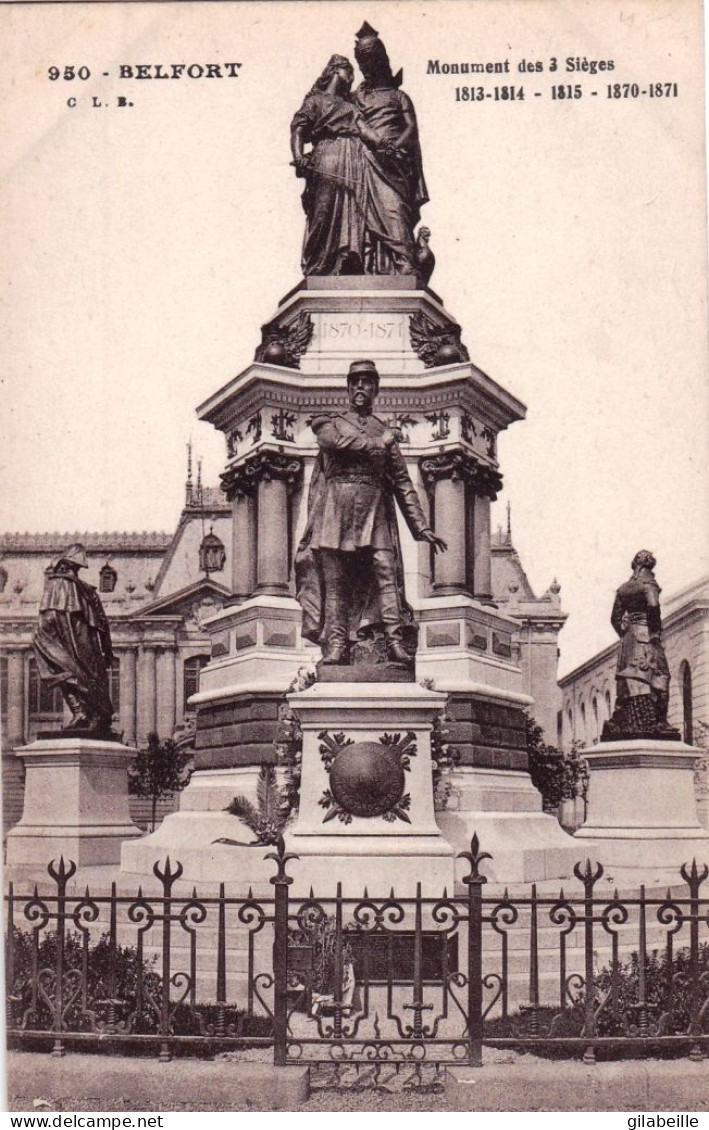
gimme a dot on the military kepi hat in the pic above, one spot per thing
(362, 366)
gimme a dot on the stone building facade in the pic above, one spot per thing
(588, 692)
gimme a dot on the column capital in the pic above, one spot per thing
(262, 465)
(460, 466)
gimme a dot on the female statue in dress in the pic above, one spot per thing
(642, 673)
(333, 172)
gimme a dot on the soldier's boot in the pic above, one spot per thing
(79, 719)
(335, 643)
(393, 628)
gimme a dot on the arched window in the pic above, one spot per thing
(685, 675)
(45, 703)
(3, 578)
(192, 668)
(107, 579)
(608, 704)
(570, 715)
(584, 731)
(114, 675)
(596, 728)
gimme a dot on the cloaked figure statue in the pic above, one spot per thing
(642, 673)
(72, 644)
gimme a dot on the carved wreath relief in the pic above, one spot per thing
(366, 778)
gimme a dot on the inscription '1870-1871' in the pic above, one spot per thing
(366, 329)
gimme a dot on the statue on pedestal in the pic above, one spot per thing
(349, 573)
(72, 644)
(642, 673)
(364, 180)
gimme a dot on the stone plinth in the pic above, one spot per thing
(505, 811)
(641, 805)
(344, 726)
(76, 803)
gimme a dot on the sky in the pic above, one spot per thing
(146, 244)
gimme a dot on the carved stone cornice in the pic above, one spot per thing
(461, 466)
(268, 465)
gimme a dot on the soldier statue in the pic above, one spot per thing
(349, 572)
(642, 673)
(72, 643)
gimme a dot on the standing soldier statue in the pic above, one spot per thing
(349, 571)
(72, 644)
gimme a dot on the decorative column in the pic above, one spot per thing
(15, 698)
(265, 482)
(146, 693)
(482, 578)
(128, 693)
(166, 691)
(243, 555)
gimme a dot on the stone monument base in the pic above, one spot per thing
(642, 809)
(76, 802)
(366, 816)
(504, 810)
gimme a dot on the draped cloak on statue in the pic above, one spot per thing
(333, 198)
(72, 643)
(395, 188)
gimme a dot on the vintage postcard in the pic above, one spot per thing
(354, 644)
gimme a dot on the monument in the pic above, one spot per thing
(641, 786)
(362, 545)
(76, 786)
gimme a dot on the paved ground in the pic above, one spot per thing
(242, 1081)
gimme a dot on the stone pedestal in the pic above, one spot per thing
(642, 809)
(505, 811)
(367, 746)
(76, 803)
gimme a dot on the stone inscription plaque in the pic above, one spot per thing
(340, 333)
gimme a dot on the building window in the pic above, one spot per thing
(192, 668)
(212, 554)
(685, 674)
(608, 704)
(114, 675)
(3, 578)
(584, 731)
(107, 579)
(596, 728)
(45, 702)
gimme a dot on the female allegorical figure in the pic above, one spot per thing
(394, 185)
(642, 674)
(333, 171)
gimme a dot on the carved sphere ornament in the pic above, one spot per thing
(367, 779)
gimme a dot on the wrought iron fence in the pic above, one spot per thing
(393, 981)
